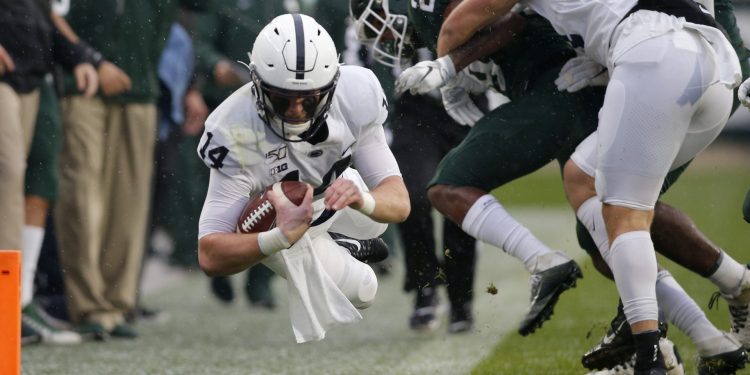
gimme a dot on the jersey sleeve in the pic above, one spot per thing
(361, 98)
(371, 155)
(231, 141)
(225, 200)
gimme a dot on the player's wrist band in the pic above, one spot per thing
(447, 66)
(272, 241)
(368, 204)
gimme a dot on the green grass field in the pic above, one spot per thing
(711, 193)
(203, 337)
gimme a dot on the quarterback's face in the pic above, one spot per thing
(296, 109)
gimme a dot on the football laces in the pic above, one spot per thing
(256, 216)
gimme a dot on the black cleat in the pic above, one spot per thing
(617, 346)
(424, 317)
(724, 363)
(221, 287)
(366, 251)
(546, 288)
(461, 318)
(651, 371)
(672, 361)
(731, 357)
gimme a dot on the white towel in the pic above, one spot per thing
(316, 304)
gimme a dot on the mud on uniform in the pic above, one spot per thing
(538, 125)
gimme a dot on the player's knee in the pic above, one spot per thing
(366, 289)
(602, 266)
(578, 185)
(437, 194)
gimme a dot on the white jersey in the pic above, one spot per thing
(238, 143)
(606, 36)
(592, 20)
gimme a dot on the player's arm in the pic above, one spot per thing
(466, 19)
(430, 75)
(488, 40)
(221, 250)
(388, 200)
(75, 56)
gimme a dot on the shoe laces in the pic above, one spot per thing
(739, 313)
(739, 317)
(714, 300)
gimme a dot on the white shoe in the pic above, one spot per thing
(739, 309)
(672, 359)
(34, 319)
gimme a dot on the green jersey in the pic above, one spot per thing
(534, 49)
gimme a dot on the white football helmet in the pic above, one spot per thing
(294, 69)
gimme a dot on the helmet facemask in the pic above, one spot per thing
(387, 32)
(309, 112)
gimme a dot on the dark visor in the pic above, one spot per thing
(281, 100)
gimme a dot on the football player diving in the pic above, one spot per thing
(303, 118)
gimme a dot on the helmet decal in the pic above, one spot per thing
(299, 31)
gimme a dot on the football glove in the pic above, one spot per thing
(459, 105)
(426, 76)
(469, 82)
(743, 93)
(580, 72)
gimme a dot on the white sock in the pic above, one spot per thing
(633, 263)
(682, 311)
(31, 247)
(488, 221)
(728, 276)
(590, 214)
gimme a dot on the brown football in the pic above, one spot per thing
(259, 214)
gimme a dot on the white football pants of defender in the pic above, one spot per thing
(662, 107)
(355, 279)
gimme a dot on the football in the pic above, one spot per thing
(259, 214)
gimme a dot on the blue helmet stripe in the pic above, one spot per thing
(300, 39)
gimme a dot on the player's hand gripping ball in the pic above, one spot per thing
(259, 215)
